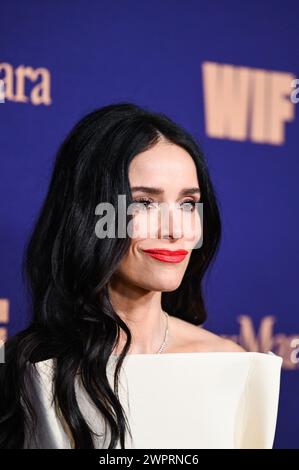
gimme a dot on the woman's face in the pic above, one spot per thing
(167, 170)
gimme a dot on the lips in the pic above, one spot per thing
(166, 252)
(167, 256)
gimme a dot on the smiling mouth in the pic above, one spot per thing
(167, 256)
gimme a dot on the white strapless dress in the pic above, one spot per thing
(200, 400)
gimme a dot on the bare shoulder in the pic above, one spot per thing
(192, 338)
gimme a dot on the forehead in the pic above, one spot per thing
(164, 164)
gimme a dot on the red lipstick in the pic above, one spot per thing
(167, 256)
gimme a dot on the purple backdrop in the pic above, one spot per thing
(62, 60)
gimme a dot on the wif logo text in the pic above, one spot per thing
(243, 103)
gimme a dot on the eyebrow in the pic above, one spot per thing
(158, 191)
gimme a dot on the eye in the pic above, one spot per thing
(189, 206)
(143, 203)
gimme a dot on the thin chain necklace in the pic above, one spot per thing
(165, 336)
(162, 347)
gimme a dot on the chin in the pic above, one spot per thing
(167, 286)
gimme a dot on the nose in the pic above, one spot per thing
(170, 223)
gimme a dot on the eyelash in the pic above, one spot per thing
(147, 201)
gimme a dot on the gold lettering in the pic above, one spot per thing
(41, 92)
(8, 80)
(4, 318)
(226, 96)
(258, 128)
(16, 85)
(244, 103)
(281, 108)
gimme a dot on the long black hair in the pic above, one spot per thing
(67, 269)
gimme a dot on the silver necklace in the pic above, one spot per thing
(165, 336)
(162, 347)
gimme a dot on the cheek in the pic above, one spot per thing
(192, 230)
(131, 264)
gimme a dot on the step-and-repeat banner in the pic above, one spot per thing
(226, 71)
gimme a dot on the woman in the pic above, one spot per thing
(116, 317)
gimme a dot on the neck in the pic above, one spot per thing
(142, 312)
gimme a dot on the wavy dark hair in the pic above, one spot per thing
(67, 269)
